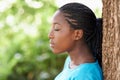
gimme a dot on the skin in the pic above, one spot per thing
(65, 39)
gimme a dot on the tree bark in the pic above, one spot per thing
(111, 39)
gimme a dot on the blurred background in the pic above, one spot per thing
(24, 45)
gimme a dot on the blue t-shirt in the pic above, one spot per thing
(86, 71)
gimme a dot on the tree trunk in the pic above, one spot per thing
(111, 39)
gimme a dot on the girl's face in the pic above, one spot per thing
(61, 35)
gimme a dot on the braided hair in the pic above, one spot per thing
(80, 16)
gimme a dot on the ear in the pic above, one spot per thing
(78, 34)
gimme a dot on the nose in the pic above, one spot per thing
(51, 35)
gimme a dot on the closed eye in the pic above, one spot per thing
(56, 26)
(56, 29)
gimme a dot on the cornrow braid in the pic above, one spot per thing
(80, 16)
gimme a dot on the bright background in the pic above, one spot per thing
(24, 45)
(95, 5)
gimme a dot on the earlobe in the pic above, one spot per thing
(78, 34)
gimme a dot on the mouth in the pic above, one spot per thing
(51, 45)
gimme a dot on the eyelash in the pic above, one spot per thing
(56, 29)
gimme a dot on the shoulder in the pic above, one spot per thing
(87, 76)
(88, 72)
(93, 76)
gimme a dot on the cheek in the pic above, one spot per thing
(63, 42)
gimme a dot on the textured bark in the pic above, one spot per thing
(111, 39)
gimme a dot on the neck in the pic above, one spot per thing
(80, 54)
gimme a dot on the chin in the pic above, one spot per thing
(57, 52)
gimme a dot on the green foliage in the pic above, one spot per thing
(24, 48)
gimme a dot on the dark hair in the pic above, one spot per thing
(80, 16)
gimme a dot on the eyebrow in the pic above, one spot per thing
(56, 23)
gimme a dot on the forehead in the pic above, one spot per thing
(58, 17)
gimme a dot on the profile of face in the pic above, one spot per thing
(62, 36)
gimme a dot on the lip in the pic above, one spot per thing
(51, 45)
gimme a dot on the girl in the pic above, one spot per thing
(74, 30)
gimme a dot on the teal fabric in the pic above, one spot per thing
(86, 71)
